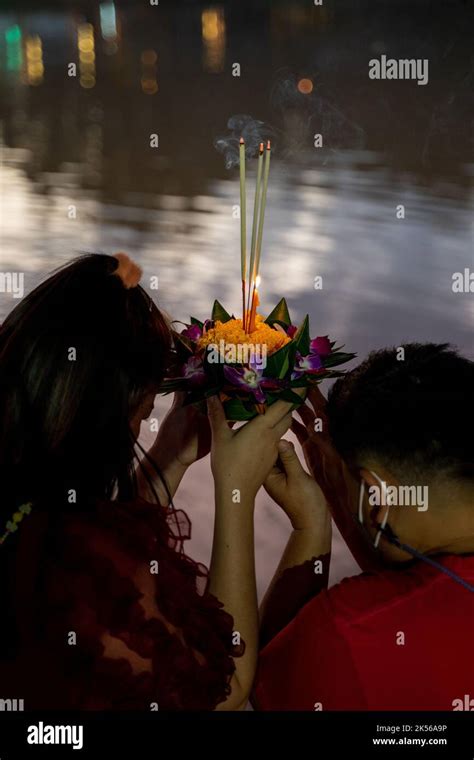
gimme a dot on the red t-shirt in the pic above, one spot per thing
(399, 640)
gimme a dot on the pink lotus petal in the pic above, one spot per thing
(270, 383)
(321, 345)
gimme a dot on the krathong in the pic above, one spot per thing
(250, 361)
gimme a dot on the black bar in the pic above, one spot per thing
(151, 735)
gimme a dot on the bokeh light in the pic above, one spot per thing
(149, 82)
(86, 46)
(34, 60)
(13, 38)
(108, 21)
(214, 39)
(305, 86)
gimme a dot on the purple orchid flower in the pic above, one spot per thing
(251, 379)
(193, 371)
(193, 332)
(320, 345)
(306, 365)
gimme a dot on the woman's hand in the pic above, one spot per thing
(241, 459)
(184, 434)
(296, 492)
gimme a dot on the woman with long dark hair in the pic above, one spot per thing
(102, 609)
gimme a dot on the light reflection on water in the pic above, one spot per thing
(385, 280)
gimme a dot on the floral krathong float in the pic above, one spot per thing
(250, 361)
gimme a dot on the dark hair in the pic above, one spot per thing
(416, 414)
(76, 356)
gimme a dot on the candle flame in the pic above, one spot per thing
(258, 280)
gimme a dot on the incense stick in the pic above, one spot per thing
(243, 227)
(263, 204)
(254, 230)
(258, 246)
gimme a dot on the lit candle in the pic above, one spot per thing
(255, 303)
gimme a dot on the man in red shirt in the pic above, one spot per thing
(395, 463)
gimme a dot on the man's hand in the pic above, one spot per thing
(296, 492)
(339, 486)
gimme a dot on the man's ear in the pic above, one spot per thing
(369, 478)
(385, 475)
(377, 512)
(373, 495)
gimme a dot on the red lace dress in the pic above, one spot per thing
(112, 615)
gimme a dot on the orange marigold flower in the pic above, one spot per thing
(232, 333)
